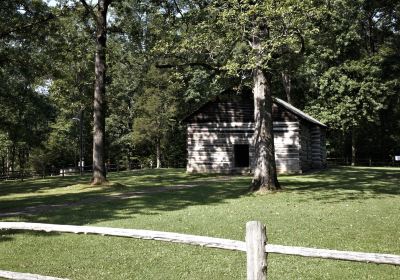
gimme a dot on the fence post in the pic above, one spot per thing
(256, 239)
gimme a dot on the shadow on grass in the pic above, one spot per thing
(347, 183)
(37, 185)
(127, 177)
(329, 186)
(147, 204)
(120, 183)
(201, 189)
(209, 191)
(5, 237)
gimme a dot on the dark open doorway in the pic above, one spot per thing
(241, 155)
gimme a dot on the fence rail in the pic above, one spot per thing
(255, 245)
(66, 171)
(26, 276)
(364, 162)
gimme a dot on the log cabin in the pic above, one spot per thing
(220, 137)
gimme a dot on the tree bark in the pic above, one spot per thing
(287, 85)
(7, 170)
(99, 104)
(265, 178)
(3, 165)
(353, 147)
(370, 33)
(21, 163)
(12, 160)
(158, 152)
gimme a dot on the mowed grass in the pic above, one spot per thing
(354, 209)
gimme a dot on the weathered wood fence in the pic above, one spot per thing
(255, 246)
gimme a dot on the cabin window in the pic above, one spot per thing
(241, 155)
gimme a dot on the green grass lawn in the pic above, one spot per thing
(354, 209)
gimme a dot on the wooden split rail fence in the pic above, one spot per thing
(255, 246)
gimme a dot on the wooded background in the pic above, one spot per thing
(337, 60)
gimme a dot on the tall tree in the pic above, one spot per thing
(24, 109)
(99, 15)
(246, 39)
(353, 66)
(156, 110)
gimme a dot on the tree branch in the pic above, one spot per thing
(49, 17)
(301, 38)
(178, 9)
(188, 64)
(89, 9)
(8, 32)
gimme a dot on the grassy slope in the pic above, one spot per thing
(347, 209)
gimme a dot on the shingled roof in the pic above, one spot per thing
(297, 112)
(277, 101)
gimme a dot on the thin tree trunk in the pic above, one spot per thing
(353, 147)
(370, 34)
(12, 160)
(3, 165)
(43, 171)
(8, 162)
(81, 165)
(21, 163)
(265, 178)
(99, 105)
(158, 152)
(287, 85)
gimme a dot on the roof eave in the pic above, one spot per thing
(298, 112)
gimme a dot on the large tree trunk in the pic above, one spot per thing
(99, 106)
(265, 178)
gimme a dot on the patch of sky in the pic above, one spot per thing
(44, 87)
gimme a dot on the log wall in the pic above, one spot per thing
(316, 147)
(305, 147)
(323, 147)
(214, 129)
(211, 146)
